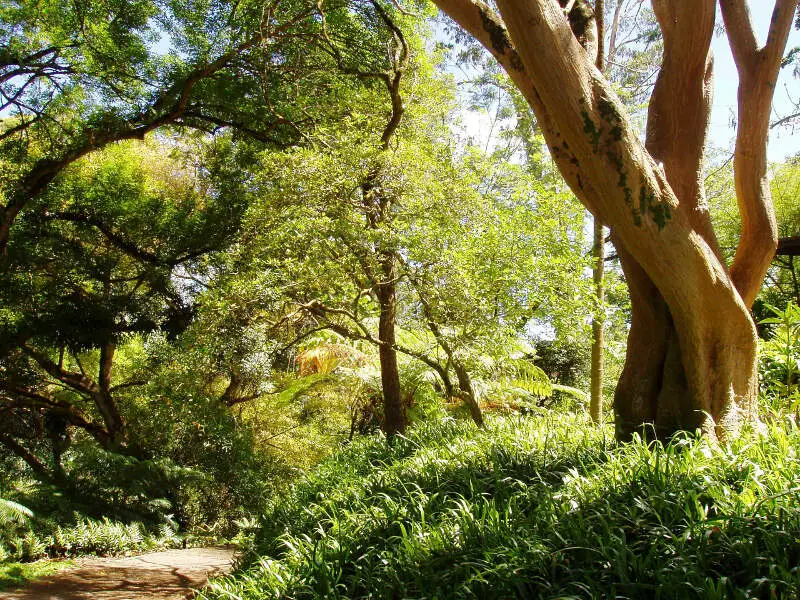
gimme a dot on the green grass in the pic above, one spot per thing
(14, 575)
(534, 508)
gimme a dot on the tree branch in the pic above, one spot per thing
(758, 72)
(168, 108)
(739, 27)
(789, 246)
(79, 382)
(30, 459)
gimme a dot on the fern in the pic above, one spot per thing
(297, 388)
(523, 378)
(13, 514)
(579, 395)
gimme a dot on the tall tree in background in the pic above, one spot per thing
(343, 190)
(691, 358)
(599, 256)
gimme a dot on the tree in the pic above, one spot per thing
(474, 290)
(792, 59)
(783, 280)
(490, 275)
(691, 359)
(89, 273)
(77, 76)
(346, 178)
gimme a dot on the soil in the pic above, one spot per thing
(169, 575)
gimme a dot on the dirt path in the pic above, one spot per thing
(169, 575)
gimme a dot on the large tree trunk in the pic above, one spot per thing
(394, 419)
(696, 366)
(678, 120)
(758, 71)
(653, 388)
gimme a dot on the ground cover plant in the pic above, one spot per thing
(535, 508)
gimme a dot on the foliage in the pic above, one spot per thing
(13, 514)
(86, 536)
(781, 284)
(780, 357)
(634, 57)
(332, 396)
(565, 364)
(189, 318)
(107, 237)
(310, 260)
(522, 381)
(546, 508)
(97, 271)
(219, 472)
(51, 528)
(80, 75)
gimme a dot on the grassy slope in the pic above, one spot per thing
(534, 508)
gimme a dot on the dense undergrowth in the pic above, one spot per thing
(534, 508)
(200, 487)
(86, 536)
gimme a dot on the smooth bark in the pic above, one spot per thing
(758, 72)
(702, 372)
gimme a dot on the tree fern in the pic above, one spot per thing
(521, 377)
(579, 395)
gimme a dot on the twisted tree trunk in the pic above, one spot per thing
(692, 348)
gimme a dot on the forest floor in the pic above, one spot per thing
(169, 575)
